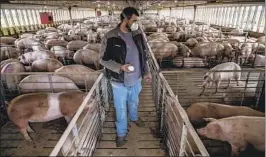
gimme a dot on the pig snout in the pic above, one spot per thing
(202, 131)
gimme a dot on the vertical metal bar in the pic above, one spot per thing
(11, 17)
(258, 92)
(5, 18)
(183, 140)
(228, 16)
(239, 16)
(37, 18)
(246, 84)
(243, 18)
(51, 84)
(247, 20)
(233, 17)
(224, 16)
(162, 109)
(105, 91)
(260, 19)
(28, 18)
(16, 11)
(252, 25)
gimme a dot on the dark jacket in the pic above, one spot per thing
(113, 54)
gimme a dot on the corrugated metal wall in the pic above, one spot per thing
(248, 17)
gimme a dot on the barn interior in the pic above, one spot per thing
(54, 46)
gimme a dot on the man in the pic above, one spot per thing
(124, 56)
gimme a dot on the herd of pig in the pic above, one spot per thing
(175, 41)
(45, 51)
(42, 52)
(45, 97)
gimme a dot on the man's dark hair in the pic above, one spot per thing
(128, 12)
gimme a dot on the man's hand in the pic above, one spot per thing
(125, 68)
(148, 78)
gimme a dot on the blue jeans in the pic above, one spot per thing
(124, 96)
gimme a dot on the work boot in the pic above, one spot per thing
(139, 123)
(120, 141)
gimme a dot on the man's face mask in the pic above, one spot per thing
(133, 27)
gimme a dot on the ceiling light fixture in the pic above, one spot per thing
(108, 3)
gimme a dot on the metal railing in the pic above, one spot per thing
(188, 85)
(89, 123)
(14, 84)
(174, 127)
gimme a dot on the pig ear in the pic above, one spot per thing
(209, 119)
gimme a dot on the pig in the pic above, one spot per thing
(79, 79)
(238, 131)
(94, 47)
(245, 51)
(207, 50)
(191, 42)
(8, 53)
(55, 42)
(28, 58)
(237, 31)
(7, 40)
(228, 52)
(189, 62)
(76, 45)
(41, 83)
(43, 107)
(217, 77)
(51, 29)
(163, 50)
(183, 50)
(258, 48)
(201, 39)
(259, 61)
(41, 32)
(85, 56)
(62, 52)
(261, 40)
(26, 43)
(171, 29)
(27, 35)
(46, 65)
(11, 81)
(5, 62)
(197, 111)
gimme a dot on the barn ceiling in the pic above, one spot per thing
(117, 5)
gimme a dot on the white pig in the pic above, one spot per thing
(46, 65)
(30, 57)
(217, 77)
(62, 52)
(5, 62)
(11, 81)
(238, 131)
(41, 83)
(8, 53)
(76, 45)
(7, 40)
(85, 56)
(79, 79)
